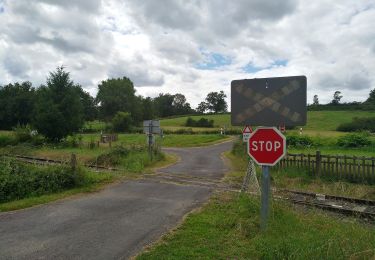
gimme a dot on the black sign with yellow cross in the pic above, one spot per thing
(269, 101)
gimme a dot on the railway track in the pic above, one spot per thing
(45, 161)
(343, 205)
(339, 204)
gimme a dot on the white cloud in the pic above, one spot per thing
(159, 44)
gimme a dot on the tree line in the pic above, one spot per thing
(336, 104)
(60, 107)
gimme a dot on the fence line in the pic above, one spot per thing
(352, 168)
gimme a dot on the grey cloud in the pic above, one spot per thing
(16, 65)
(353, 81)
(230, 17)
(140, 75)
(67, 30)
(85, 6)
(174, 14)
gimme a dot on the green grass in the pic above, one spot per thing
(192, 140)
(316, 120)
(219, 120)
(297, 179)
(228, 228)
(93, 182)
(95, 125)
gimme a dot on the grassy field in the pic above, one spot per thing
(316, 120)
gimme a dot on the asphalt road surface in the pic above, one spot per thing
(117, 222)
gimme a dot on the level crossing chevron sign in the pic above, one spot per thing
(269, 101)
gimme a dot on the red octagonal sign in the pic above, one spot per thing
(266, 146)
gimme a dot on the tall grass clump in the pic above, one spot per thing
(354, 140)
(19, 180)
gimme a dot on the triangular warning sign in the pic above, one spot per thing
(247, 130)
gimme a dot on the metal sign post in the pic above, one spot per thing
(265, 197)
(266, 146)
(151, 127)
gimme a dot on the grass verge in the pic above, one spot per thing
(228, 228)
(93, 181)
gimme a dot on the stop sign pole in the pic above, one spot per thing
(266, 146)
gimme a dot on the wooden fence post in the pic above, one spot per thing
(73, 162)
(318, 162)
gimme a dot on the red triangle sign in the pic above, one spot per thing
(247, 130)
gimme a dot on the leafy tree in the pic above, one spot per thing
(315, 100)
(202, 107)
(164, 105)
(371, 99)
(122, 122)
(16, 104)
(336, 97)
(58, 110)
(116, 95)
(90, 109)
(180, 106)
(216, 102)
(148, 108)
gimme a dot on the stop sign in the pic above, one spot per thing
(266, 146)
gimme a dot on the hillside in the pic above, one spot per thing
(316, 120)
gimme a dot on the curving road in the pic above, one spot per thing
(117, 222)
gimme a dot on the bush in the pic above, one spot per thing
(354, 140)
(122, 122)
(22, 133)
(358, 124)
(7, 140)
(18, 180)
(113, 157)
(202, 122)
(299, 141)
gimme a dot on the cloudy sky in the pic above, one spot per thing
(192, 47)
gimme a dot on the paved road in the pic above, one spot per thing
(117, 222)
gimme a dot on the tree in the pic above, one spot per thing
(16, 104)
(90, 109)
(371, 98)
(216, 102)
(164, 105)
(147, 108)
(116, 95)
(202, 107)
(180, 106)
(315, 100)
(122, 122)
(336, 98)
(58, 110)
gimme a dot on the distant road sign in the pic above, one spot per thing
(151, 126)
(266, 146)
(269, 101)
(246, 132)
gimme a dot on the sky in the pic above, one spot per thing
(192, 47)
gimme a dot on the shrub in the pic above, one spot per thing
(22, 133)
(113, 157)
(202, 122)
(299, 141)
(18, 180)
(122, 122)
(358, 124)
(354, 140)
(7, 140)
